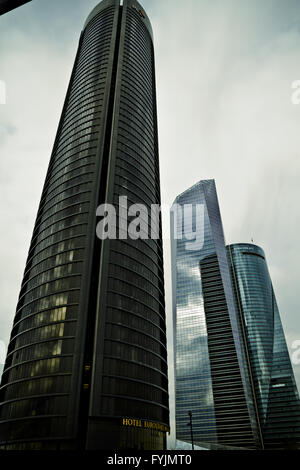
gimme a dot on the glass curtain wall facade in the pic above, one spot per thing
(275, 387)
(211, 373)
(87, 363)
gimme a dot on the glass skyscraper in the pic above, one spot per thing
(211, 371)
(275, 388)
(86, 365)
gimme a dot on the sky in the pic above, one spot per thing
(224, 71)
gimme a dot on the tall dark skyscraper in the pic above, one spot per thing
(211, 374)
(87, 363)
(275, 387)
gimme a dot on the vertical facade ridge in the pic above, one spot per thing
(101, 188)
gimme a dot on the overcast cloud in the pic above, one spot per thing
(224, 73)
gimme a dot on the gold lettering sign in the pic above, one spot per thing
(142, 423)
